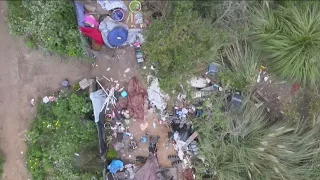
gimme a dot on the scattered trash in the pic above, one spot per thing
(84, 83)
(109, 5)
(121, 89)
(65, 83)
(132, 145)
(155, 96)
(127, 70)
(124, 94)
(76, 154)
(32, 102)
(144, 67)
(143, 126)
(106, 78)
(21, 152)
(213, 88)
(198, 82)
(117, 86)
(108, 69)
(115, 165)
(139, 55)
(154, 125)
(143, 139)
(47, 99)
(213, 68)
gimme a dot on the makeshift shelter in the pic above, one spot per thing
(98, 28)
(149, 170)
(98, 98)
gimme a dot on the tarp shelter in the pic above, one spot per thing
(97, 99)
(149, 170)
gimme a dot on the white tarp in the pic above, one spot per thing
(198, 82)
(155, 96)
(112, 4)
(97, 98)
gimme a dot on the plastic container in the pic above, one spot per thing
(117, 15)
(135, 6)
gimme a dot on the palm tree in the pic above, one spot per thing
(244, 145)
(289, 35)
(240, 65)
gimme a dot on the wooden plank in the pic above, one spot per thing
(190, 139)
(257, 100)
(84, 83)
(260, 94)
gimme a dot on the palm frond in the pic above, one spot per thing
(249, 147)
(241, 64)
(290, 38)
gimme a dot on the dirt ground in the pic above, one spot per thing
(27, 74)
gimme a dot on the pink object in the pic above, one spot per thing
(136, 44)
(90, 20)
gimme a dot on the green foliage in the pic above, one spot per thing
(181, 45)
(241, 64)
(17, 17)
(230, 16)
(246, 146)
(56, 135)
(111, 154)
(289, 36)
(51, 24)
(2, 161)
(30, 42)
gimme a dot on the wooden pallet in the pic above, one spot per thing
(258, 98)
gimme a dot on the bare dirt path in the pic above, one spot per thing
(24, 74)
(27, 74)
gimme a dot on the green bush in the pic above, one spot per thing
(181, 45)
(18, 17)
(60, 144)
(111, 154)
(52, 25)
(2, 161)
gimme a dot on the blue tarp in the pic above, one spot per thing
(80, 12)
(115, 166)
(118, 36)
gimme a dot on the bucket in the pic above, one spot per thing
(135, 6)
(117, 15)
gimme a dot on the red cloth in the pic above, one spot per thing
(93, 33)
(295, 87)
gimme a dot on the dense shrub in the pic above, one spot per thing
(60, 145)
(2, 161)
(50, 24)
(181, 45)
